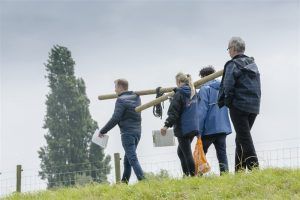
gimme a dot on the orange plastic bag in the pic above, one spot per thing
(201, 164)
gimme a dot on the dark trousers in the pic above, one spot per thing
(130, 143)
(245, 154)
(184, 152)
(219, 141)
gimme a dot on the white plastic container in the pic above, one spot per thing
(163, 141)
(101, 141)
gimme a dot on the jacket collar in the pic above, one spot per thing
(125, 92)
(239, 56)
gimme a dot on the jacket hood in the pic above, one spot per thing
(214, 84)
(247, 65)
(185, 90)
(251, 68)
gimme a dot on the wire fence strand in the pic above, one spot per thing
(31, 180)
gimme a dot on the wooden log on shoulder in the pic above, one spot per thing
(210, 77)
(142, 92)
(197, 84)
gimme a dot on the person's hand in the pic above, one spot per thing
(100, 135)
(163, 131)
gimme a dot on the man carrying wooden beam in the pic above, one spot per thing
(129, 122)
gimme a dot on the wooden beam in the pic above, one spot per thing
(197, 84)
(141, 93)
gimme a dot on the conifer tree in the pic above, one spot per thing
(69, 152)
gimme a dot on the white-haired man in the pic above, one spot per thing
(240, 92)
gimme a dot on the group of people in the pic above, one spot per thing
(202, 114)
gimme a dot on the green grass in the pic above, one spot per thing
(260, 184)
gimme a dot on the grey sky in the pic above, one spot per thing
(147, 42)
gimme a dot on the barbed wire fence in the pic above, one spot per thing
(29, 180)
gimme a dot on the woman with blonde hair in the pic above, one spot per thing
(182, 115)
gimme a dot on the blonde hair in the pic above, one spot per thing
(187, 79)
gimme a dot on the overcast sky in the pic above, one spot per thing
(146, 42)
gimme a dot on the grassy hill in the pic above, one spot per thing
(263, 184)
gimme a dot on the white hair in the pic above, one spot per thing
(238, 44)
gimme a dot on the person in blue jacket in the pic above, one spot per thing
(214, 122)
(182, 115)
(129, 122)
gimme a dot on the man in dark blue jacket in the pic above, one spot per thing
(214, 122)
(129, 122)
(240, 92)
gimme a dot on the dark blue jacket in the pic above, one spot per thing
(240, 86)
(212, 119)
(124, 115)
(182, 113)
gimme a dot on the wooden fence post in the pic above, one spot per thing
(19, 177)
(117, 167)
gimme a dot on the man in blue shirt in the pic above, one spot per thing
(240, 92)
(214, 122)
(129, 122)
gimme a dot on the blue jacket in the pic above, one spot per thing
(124, 115)
(213, 120)
(240, 86)
(182, 113)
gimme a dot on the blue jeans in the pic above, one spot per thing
(130, 143)
(219, 141)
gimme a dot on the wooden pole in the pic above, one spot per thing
(117, 167)
(148, 92)
(210, 77)
(154, 102)
(197, 84)
(142, 92)
(19, 176)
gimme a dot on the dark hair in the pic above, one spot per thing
(123, 83)
(205, 71)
